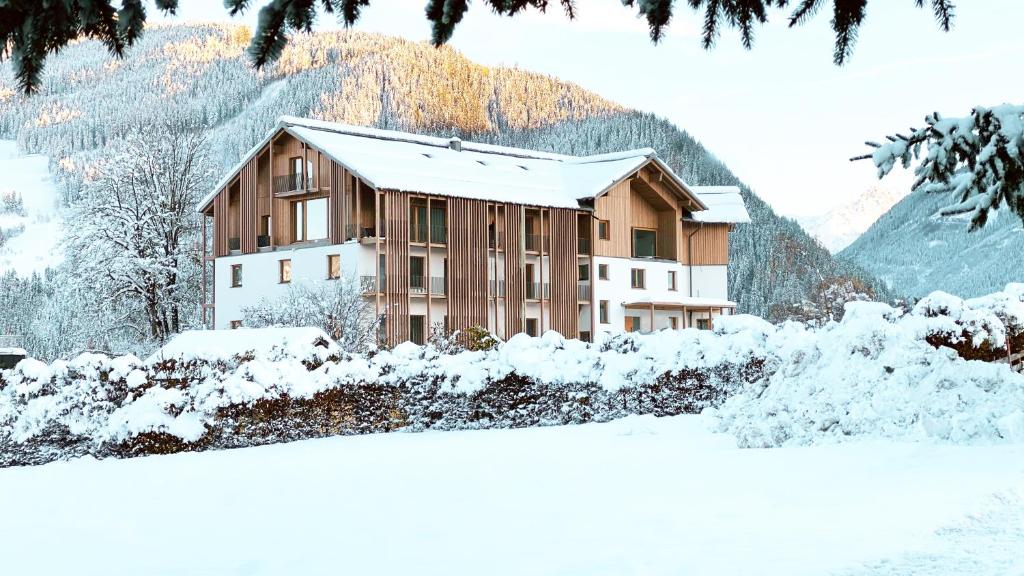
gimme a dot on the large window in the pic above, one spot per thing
(309, 220)
(644, 243)
(417, 267)
(418, 220)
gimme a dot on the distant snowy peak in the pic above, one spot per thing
(839, 227)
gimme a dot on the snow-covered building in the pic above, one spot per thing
(441, 232)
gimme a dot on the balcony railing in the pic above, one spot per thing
(291, 183)
(438, 233)
(533, 291)
(583, 292)
(497, 288)
(583, 245)
(369, 284)
(495, 242)
(536, 242)
(234, 244)
(438, 285)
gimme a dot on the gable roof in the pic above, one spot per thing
(391, 160)
(725, 205)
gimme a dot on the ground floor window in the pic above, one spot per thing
(673, 322)
(417, 329)
(585, 335)
(284, 271)
(236, 324)
(531, 326)
(703, 324)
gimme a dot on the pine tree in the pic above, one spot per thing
(29, 31)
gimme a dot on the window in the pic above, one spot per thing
(673, 322)
(637, 278)
(532, 288)
(602, 271)
(531, 326)
(632, 323)
(603, 232)
(333, 266)
(703, 324)
(644, 243)
(417, 283)
(316, 219)
(584, 272)
(603, 307)
(672, 280)
(263, 239)
(585, 335)
(284, 271)
(309, 220)
(236, 275)
(296, 162)
(235, 324)
(417, 329)
(418, 220)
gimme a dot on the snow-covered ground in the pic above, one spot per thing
(634, 496)
(35, 248)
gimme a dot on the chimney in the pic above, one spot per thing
(455, 144)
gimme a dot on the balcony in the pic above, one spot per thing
(583, 245)
(536, 242)
(533, 291)
(290, 183)
(369, 284)
(583, 292)
(418, 234)
(437, 284)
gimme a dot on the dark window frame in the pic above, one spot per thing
(633, 242)
(236, 275)
(602, 272)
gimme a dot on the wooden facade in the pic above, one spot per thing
(488, 246)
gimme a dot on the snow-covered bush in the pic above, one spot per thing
(883, 373)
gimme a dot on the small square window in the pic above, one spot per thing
(637, 278)
(602, 271)
(285, 271)
(236, 275)
(333, 266)
(603, 232)
(604, 311)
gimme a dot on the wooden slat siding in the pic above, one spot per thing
(220, 223)
(248, 201)
(615, 208)
(467, 263)
(564, 272)
(335, 203)
(515, 273)
(396, 249)
(710, 244)
(262, 185)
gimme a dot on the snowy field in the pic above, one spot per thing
(35, 248)
(634, 496)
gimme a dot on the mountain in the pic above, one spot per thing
(915, 251)
(839, 227)
(198, 75)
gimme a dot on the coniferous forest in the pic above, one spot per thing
(91, 107)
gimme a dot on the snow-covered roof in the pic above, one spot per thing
(725, 205)
(687, 301)
(219, 344)
(13, 352)
(390, 160)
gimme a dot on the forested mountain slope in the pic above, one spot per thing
(198, 75)
(915, 251)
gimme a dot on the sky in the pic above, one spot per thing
(782, 116)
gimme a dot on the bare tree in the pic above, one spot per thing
(136, 227)
(338, 307)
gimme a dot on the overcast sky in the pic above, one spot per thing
(782, 116)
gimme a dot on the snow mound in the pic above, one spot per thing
(879, 373)
(268, 343)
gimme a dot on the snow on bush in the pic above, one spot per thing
(883, 373)
(879, 372)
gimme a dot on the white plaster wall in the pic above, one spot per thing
(710, 282)
(260, 274)
(617, 289)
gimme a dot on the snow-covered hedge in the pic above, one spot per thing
(883, 373)
(880, 372)
(219, 395)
